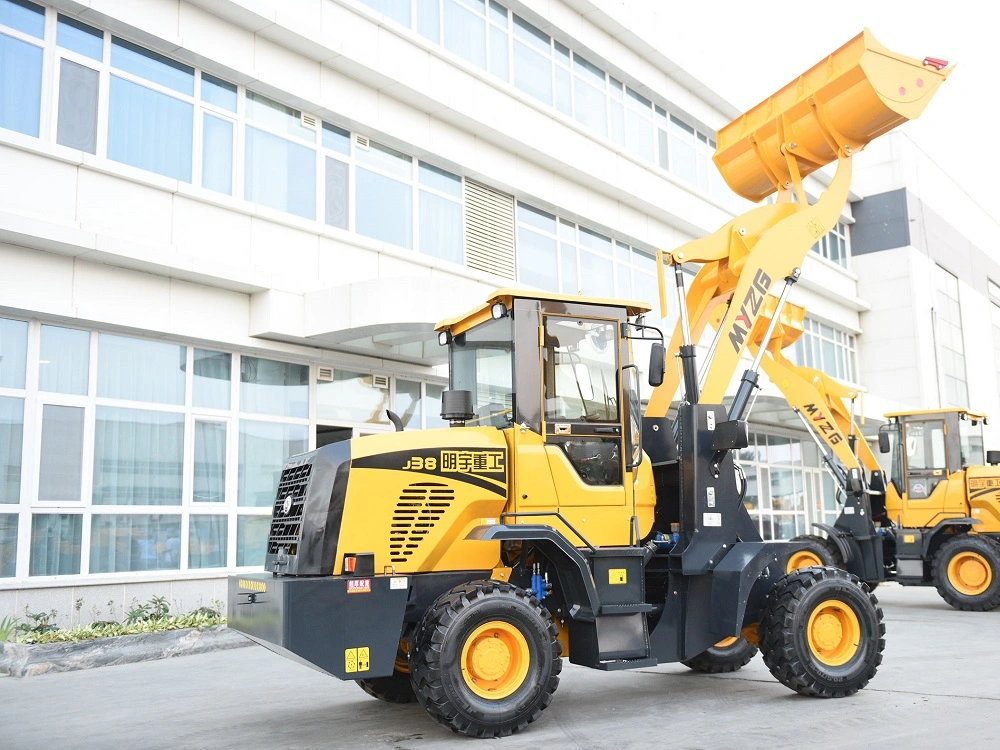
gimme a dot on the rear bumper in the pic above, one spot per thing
(338, 625)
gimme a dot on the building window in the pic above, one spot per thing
(21, 65)
(8, 544)
(786, 489)
(11, 440)
(385, 195)
(138, 457)
(56, 542)
(828, 349)
(140, 370)
(129, 543)
(834, 245)
(208, 541)
(14, 348)
(948, 329)
(561, 256)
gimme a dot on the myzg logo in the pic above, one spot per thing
(749, 309)
(822, 424)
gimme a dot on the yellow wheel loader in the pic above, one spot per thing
(553, 519)
(934, 521)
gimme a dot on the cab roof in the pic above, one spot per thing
(930, 412)
(506, 295)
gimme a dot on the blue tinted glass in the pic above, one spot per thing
(8, 544)
(11, 440)
(81, 38)
(207, 547)
(23, 16)
(140, 370)
(441, 180)
(150, 130)
(13, 352)
(440, 227)
(280, 174)
(271, 387)
(218, 92)
(134, 542)
(152, 66)
(398, 10)
(20, 85)
(64, 360)
(384, 208)
(336, 139)
(55, 544)
(217, 155)
(138, 457)
(211, 378)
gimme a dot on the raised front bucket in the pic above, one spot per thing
(858, 93)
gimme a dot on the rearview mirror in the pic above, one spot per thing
(657, 364)
(883, 439)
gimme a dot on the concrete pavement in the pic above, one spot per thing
(938, 687)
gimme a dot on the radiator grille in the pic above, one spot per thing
(286, 525)
(419, 509)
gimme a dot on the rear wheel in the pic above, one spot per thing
(814, 552)
(486, 659)
(822, 633)
(967, 572)
(727, 655)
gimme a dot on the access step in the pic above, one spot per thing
(619, 664)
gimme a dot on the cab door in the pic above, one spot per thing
(582, 410)
(926, 470)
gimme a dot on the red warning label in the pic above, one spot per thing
(359, 585)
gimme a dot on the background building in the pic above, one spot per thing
(227, 228)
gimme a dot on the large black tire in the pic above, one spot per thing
(966, 572)
(486, 659)
(821, 632)
(396, 688)
(722, 658)
(815, 551)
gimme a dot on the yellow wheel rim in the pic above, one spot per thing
(970, 573)
(804, 558)
(726, 642)
(834, 633)
(495, 660)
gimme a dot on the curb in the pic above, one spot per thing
(30, 660)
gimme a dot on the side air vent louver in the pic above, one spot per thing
(286, 516)
(421, 506)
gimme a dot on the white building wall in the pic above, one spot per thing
(94, 243)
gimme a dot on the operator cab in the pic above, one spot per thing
(927, 447)
(557, 365)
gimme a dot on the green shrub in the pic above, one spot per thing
(151, 617)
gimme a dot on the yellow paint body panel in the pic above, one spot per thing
(983, 486)
(443, 506)
(855, 95)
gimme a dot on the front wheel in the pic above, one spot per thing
(821, 633)
(727, 655)
(486, 659)
(967, 572)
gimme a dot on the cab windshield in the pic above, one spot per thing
(482, 362)
(896, 471)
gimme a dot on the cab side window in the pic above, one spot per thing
(580, 370)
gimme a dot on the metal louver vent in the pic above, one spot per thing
(419, 508)
(325, 374)
(489, 230)
(361, 141)
(286, 517)
(380, 381)
(308, 121)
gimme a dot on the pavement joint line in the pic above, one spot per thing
(867, 689)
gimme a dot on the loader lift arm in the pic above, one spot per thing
(828, 114)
